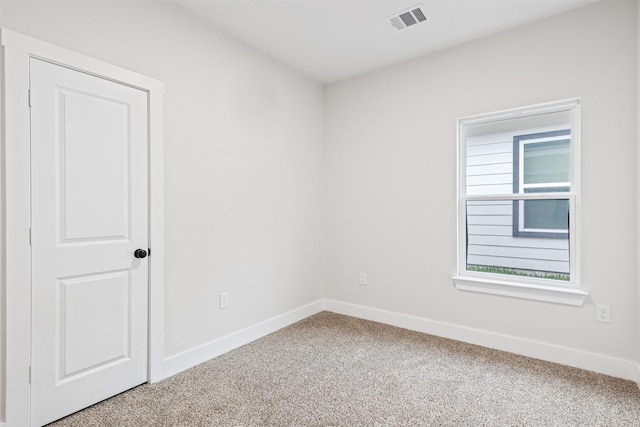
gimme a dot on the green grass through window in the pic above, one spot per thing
(516, 272)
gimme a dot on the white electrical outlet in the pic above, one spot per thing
(224, 300)
(603, 313)
(363, 278)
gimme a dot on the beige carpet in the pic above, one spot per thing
(333, 370)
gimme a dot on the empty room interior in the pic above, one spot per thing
(322, 158)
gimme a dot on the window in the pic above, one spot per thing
(541, 164)
(518, 203)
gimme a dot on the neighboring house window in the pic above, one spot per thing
(518, 203)
(541, 164)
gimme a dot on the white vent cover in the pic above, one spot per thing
(409, 17)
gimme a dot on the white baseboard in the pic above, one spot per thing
(620, 368)
(190, 358)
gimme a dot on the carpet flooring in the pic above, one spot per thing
(334, 370)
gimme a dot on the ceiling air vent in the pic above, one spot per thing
(409, 17)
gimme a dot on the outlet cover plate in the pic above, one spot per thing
(603, 313)
(363, 278)
(224, 300)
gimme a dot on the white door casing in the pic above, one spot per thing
(16, 275)
(88, 215)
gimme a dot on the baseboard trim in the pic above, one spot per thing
(192, 357)
(607, 365)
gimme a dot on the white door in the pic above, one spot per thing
(88, 217)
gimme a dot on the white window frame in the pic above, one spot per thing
(539, 289)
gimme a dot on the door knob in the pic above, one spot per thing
(140, 253)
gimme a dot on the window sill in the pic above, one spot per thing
(569, 296)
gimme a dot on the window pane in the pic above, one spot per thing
(492, 247)
(546, 215)
(547, 162)
(489, 152)
(549, 214)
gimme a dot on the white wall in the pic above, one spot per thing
(2, 245)
(391, 176)
(243, 150)
(638, 176)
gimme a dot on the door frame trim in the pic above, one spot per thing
(15, 195)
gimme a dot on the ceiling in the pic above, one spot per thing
(330, 40)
